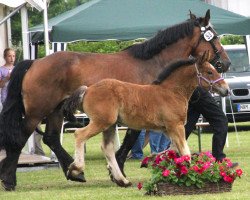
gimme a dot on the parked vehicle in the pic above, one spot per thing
(238, 78)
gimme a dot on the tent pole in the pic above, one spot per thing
(46, 32)
(248, 47)
(25, 36)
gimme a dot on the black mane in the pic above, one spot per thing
(171, 68)
(163, 38)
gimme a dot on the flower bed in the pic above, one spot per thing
(172, 174)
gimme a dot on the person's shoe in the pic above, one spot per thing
(234, 165)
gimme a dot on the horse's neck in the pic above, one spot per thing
(180, 50)
(182, 81)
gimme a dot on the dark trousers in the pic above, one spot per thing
(203, 103)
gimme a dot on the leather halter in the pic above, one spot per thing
(210, 82)
(216, 59)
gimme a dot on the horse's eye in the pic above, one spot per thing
(209, 73)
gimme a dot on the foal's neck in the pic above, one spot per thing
(182, 81)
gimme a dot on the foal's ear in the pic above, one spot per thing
(204, 58)
(192, 16)
(207, 18)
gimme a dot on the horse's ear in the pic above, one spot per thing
(192, 16)
(207, 17)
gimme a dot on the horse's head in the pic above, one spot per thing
(207, 39)
(208, 76)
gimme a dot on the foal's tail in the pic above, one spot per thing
(13, 109)
(72, 103)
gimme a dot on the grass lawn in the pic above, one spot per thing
(51, 184)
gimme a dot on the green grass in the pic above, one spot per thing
(51, 183)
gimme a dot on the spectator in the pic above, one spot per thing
(158, 142)
(5, 71)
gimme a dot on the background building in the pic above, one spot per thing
(241, 7)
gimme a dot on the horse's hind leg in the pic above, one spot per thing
(8, 165)
(52, 139)
(108, 149)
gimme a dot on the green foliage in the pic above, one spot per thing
(232, 39)
(99, 47)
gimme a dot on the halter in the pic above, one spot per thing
(200, 78)
(210, 37)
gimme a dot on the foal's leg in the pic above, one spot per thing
(178, 138)
(81, 136)
(128, 142)
(109, 151)
(52, 139)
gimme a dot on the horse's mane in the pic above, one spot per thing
(162, 39)
(171, 68)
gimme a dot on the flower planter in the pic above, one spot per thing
(196, 175)
(171, 189)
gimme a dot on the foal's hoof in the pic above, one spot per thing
(7, 186)
(74, 174)
(121, 183)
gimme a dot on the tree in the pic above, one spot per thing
(55, 8)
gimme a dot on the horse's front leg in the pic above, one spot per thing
(128, 142)
(109, 151)
(52, 139)
(177, 134)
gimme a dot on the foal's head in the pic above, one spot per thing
(208, 77)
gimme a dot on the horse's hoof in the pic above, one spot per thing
(78, 178)
(7, 187)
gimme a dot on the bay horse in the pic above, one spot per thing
(161, 106)
(38, 88)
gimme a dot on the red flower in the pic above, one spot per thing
(186, 158)
(223, 174)
(165, 173)
(195, 168)
(158, 159)
(145, 161)
(139, 186)
(239, 172)
(184, 170)
(228, 179)
(172, 154)
(179, 160)
(206, 165)
(228, 161)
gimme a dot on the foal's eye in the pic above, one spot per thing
(209, 73)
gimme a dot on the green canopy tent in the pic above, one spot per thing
(132, 19)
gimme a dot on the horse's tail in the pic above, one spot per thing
(72, 103)
(13, 109)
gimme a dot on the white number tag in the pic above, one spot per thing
(208, 35)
